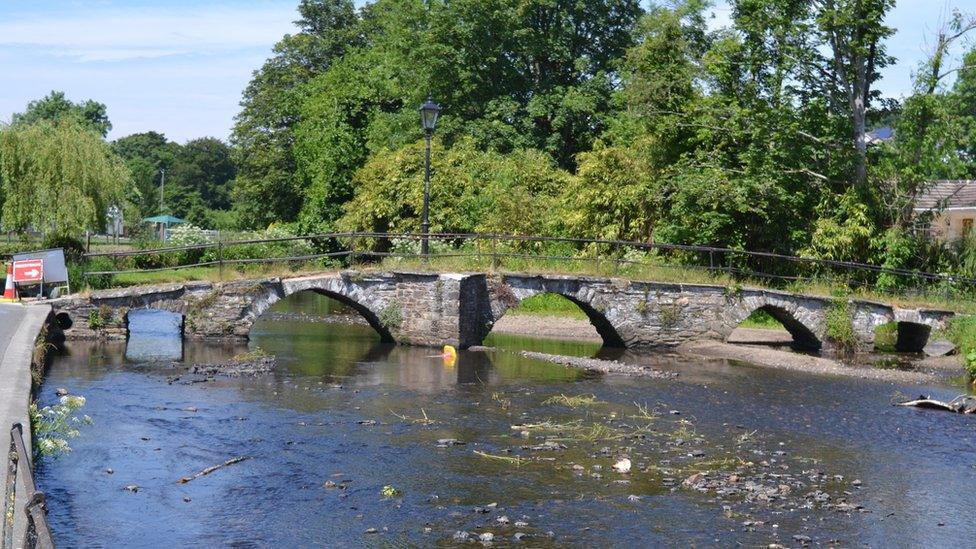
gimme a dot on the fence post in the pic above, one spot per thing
(616, 258)
(494, 252)
(220, 260)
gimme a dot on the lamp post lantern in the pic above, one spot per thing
(429, 113)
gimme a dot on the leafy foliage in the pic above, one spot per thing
(55, 107)
(58, 178)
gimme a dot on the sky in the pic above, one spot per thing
(179, 66)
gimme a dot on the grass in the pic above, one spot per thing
(962, 332)
(572, 401)
(507, 459)
(762, 320)
(548, 304)
(254, 354)
(885, 337)
(840, 325)
(213, 274)
(644, 412)
(576, 431)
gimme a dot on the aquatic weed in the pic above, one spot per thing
(572, 401)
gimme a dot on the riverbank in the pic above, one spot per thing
(762, 347)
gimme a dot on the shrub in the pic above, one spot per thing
(840, 325)
(962, 331)
(78, 280)
(73, 247)
(189, 235)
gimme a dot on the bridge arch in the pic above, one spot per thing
(275, 294)
(804, 337)
(516, 291)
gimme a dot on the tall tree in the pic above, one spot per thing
(267, 189)
(205, 166)
(59, 178)
(854, 31)
(146, 155)
(964, 92)
(55, 107)
(512, 74)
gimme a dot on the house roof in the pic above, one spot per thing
(878, 135)
(948, 193)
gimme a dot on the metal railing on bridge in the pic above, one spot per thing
(37, 533)
(494, 252)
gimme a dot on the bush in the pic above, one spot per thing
(262, 250)
(78, 279)
(189, 235)
(73, 247)
(840, 326)
(962, 331)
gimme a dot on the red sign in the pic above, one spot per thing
(29, 270)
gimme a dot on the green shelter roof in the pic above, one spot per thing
(167, 219)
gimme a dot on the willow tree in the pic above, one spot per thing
(57, 178)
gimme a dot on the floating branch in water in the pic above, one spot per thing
(209, 470)
(422, 421)
(962, 404)
(509, 459)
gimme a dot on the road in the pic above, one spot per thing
(10, 316)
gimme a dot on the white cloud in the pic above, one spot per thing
(179, 69)
(130, 33)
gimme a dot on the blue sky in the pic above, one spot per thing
(179, 66)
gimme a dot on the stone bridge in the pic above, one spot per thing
(460, 309)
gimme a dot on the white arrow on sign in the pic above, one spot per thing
(32, 273)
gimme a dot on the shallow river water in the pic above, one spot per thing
(345, 416)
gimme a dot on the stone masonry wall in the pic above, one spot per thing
(460, 309)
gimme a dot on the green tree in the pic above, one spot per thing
(205, 166)
(146, 154)
(55, 107)
(471, 191)
(59, 178)
(267, 188)
(964, 92)
(512, 75)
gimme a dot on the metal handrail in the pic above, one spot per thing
(38, 533)
(495, 238)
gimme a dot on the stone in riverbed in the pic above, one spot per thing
(939, 347)
(236, 368)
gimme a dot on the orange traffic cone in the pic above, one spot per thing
(9, 292)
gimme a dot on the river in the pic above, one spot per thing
(345, 418)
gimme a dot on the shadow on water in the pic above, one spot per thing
(345, 415)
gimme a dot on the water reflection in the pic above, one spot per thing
(154, 335)
(344, 406)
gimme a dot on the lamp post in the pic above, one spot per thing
(429, 112)
(162, 183)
